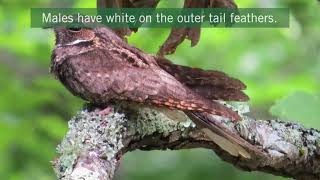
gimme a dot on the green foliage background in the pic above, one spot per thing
(280, 66)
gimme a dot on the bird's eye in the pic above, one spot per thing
(74, 29)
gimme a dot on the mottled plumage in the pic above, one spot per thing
(98, 66)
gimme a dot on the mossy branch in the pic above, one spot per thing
(95, 143)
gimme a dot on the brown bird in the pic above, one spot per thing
(98, 66)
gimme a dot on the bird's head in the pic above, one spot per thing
(75, 41)
(73, 36)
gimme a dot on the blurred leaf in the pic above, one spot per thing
(54, 126)
(299, 106)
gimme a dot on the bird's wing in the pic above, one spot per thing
(159, 88)
(210, 84)
(120, 79)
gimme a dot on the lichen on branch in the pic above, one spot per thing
(95, 143)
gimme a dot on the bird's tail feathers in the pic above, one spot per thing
(223, 137)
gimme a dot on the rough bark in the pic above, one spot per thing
(95, 143)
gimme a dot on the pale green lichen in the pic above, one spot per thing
(150, 121)
(85, 133)
(240, 107)
(106, 135)
(89, 132)
(66, 161)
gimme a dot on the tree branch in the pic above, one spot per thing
(95, 143)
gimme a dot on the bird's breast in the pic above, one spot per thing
(83, 81)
